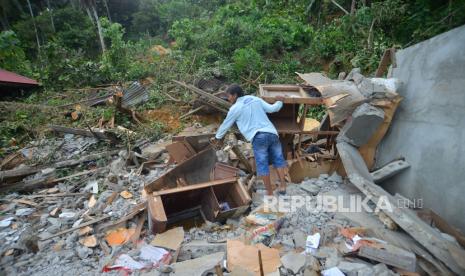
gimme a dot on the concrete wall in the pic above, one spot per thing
(429, 126)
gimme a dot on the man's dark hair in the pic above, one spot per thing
(235, 90)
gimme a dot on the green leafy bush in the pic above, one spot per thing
(12, 56)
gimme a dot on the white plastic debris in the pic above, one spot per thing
(67, 215)
(313, 241)
(92, 186)
(77, 222)
(6, 222)
(334, 271)
(126, 262)
(153, 254)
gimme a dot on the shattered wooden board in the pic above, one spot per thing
(293, 94)
(299, 170)
(246, 257)
(170, 239)
(180, 151)
(389, 255)
(345, 105)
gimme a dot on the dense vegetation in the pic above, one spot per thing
(71, 43)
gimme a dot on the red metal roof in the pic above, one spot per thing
(8, 77)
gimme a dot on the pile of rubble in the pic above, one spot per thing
(83, 204)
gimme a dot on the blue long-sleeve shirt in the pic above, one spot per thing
(249, 113)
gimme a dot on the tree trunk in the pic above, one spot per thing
(35, 26)
(108, 10)
(99, 28)
(370, 35)
(90, 16)
(51, 15)
(352, 7)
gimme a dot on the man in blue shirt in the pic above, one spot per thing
(249, 113)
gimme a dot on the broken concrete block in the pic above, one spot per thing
(350, 268)
(364, 122)
(378, 87)
(198, 248)
(293, 261)
(300, 238)
(198, 266)
(389, 170)
(310, 188)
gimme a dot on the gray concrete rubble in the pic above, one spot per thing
(361, 126)
(389, 170)
(119, 210)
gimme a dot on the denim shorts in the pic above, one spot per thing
(267, 149)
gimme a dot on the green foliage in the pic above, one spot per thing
(73, 29)
(12, 56)
(247, 61)
(155, 17)
(115, 59)
(61, 67)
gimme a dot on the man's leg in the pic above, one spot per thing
(282, 178)
(267, 181)
(260, 149)
(276, 154)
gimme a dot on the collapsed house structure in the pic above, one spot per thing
(212, 193)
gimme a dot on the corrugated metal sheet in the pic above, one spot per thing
(10, 78)
(134, 95)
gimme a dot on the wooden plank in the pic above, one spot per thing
(242, 158)
(195, 186)
(450, 254)
(390, 255)
(140, 223)
(102, 135)
(156, 214)
(30, 186)
(180, 151)
(207, 95)
(58, 195)
(77, 227)
(21, 172)
(388, 58)
(135, 211)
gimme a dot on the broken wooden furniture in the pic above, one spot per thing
(199, 184)
(217, 200)
(291, 118)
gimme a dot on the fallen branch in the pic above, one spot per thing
(191, 112)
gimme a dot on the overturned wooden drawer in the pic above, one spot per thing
(218, 200)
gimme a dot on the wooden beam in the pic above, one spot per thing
(242, 158)
(202, 93)
(195, 186)
(102, 135)
(66, 163)
(449, 253)
(388, 58)
(77, 227)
